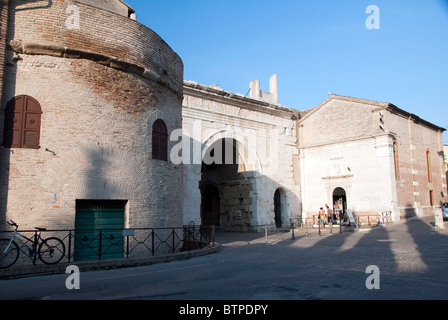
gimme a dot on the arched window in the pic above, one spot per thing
(159, 140)
(22, 123)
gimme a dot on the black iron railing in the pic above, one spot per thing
(104, 244)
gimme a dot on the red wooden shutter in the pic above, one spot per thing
(22, 123)
(31, 124)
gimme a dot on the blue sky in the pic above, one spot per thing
(314, 47)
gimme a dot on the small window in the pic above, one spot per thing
(396, 161)
(159, 141)
(431, 198)
(22, 123)
(428, 166)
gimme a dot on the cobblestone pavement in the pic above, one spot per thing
(412, 258)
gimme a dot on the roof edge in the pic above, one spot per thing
(213, 90)
(384, 105)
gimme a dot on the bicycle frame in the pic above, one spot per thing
(32, 251)
(50, 250)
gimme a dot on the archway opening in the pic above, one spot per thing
(210, 205)
(278, 209)
(222, 167)
(339, 203)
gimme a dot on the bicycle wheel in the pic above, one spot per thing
(51, 250)
(9, 253)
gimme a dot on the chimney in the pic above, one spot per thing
(255, 89)
(273, 87)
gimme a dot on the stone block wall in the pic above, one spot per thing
(266, 136)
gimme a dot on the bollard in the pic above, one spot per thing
(340, 224)
(292, 226)
(266, 235)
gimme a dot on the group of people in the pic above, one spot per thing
(326, 215)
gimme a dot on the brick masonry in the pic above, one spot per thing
(100, 95)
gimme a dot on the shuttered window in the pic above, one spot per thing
(22, 123)
(159, 141)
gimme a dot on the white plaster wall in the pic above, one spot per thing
(267, 145)
(363, 168)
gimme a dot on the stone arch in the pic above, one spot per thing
(94, 172)
(235, 185)
(32, 91)
(247, 152)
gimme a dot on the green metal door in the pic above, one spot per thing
(98, 230)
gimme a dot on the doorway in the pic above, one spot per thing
(98, 229)
(225, 190)
(339, 202)
(210, 206)
(278, 209)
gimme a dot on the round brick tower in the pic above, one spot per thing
(89, 99)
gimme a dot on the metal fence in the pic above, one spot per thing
(361, 220)
(105, 244)
(311, 224)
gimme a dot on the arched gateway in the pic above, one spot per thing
(260, 136)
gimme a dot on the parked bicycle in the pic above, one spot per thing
(49, 251)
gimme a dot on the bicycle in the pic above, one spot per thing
(49, 251)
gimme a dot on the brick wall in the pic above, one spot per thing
(99, 31)
(445, 153)
(340, 118)
(414, 183)
(3, 28)
(96, 125)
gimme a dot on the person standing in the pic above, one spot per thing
(337, 210)
(326, 213)
(329, 214)
(321, 217)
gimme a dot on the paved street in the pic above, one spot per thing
(411, 256)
